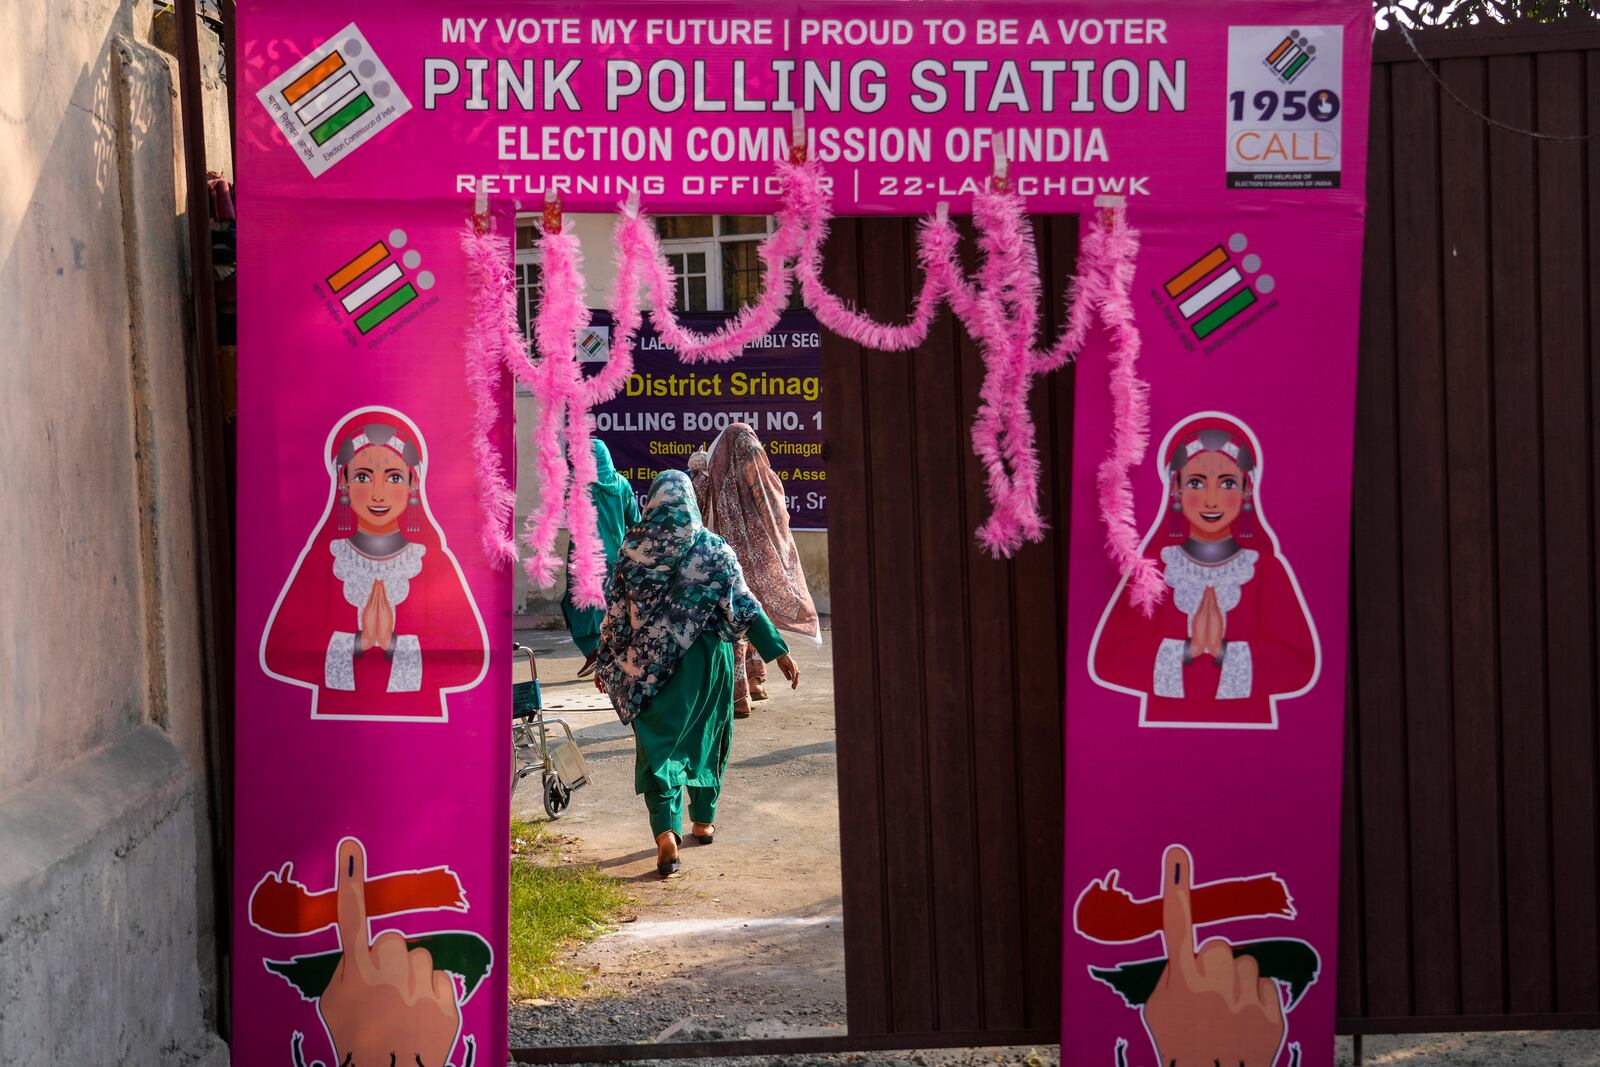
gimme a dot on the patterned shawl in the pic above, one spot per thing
(749, 509)
(674, 580)
(700, 475)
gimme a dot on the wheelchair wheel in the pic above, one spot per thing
(557, 797)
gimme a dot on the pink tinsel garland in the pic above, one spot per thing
(560, 319)
(1000, 308)
(639, 254)
(806, 193)
(1113, 247)
(489, 268)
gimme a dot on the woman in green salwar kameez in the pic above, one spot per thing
(676, 602)
(616, 509)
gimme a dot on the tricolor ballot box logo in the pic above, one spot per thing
(372, 287)
(1291, 57)
(594, 345)
(1216, 291)
(334, 100)
(1285, 89)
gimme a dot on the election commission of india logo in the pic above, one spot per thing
(373, 286)
(1215, 296)
(338, 97)
(1291, 57)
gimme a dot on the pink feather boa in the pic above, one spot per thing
(1000, 308)
(806, 193)
(1113, 246)
(556, 382)
(489, 270)
(639, 258)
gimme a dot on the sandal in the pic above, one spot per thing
(741, 709)
(705, 839)
(758, 692)
(668, 868)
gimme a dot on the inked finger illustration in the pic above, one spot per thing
(1205, 1001)
(389, 999)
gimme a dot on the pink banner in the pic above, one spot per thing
(373, 648)
(373, 676)
(903, 102)
(1204, 740)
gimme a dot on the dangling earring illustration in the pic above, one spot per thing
(413, 505)
(1177, 505)
(346, 517)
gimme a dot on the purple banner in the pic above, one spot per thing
(671, 409)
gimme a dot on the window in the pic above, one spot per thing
(717, 259)
(691, 265)
(529, 277)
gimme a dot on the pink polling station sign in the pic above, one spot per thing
(1215, 397)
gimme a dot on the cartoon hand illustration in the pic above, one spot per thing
(1209, 1007)
(377, 619)
(386, 618)
(369, 620)
(384, 1005)
(1208, 626)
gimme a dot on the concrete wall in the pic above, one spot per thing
(106, 924)
(600, 279)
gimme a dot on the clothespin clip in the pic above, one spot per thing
(552, 212)
(797, 136)
(999, 149)
(630, 206)
(941, 212)
(1109, 204)
(480, 212)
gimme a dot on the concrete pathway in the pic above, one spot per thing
(748, 940)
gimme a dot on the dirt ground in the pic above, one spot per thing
(748, 941)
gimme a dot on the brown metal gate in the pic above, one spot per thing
(1470, 859)
(1470, 894)
(948, 673)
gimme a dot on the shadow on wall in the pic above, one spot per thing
(104, 824)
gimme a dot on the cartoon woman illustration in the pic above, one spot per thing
(1234, 635)
(376, 619)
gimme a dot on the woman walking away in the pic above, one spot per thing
(615, 509)
(750, 511)
(675, 604)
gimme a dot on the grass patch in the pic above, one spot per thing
(554, 906)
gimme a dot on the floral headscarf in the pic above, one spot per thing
(674, 580)
(750, 510)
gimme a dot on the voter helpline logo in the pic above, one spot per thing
(1284, 100)
(1211, 298)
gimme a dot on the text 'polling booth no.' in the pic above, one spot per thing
(1216, 161)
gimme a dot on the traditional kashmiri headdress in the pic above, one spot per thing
(1211, 435)
(378, 433)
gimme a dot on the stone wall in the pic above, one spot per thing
(107, 943)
